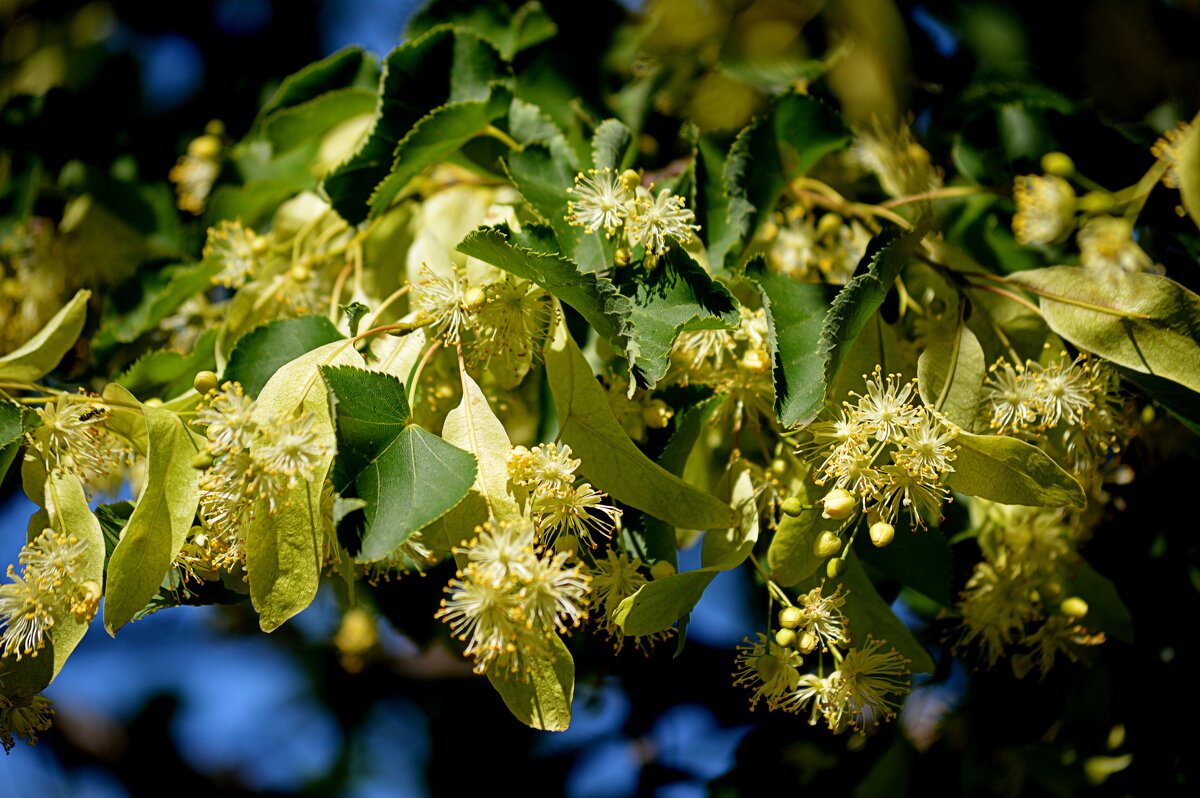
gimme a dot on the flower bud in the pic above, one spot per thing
(630, 180)
(657, 414)
(755, 361)
(792, 506)
(1058, 163)
(791, 617)
(882, 533)
(1074, 607)
(838, 503)
(204, 382)
(785, 638)
(779, 466)
(661, 569)
(474, 299)
(153, 401)
(1097, 202)
(202, 461)
(204, 147)
(300, 273)
(827, 545)
(835, 568)
(808, 642)
(568, 544)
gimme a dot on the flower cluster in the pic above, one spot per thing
(863, 690)
(615, 577)
(49, 588)
(237, 250)
(1015, 600)
(23, 718)
(607, 200)
(736, 363)
(255, 462)
(1045, 209)
(73, 438)
(510, 598)
(195, 173)
(1078, 400)
(560, 504)
(812, 249)
(885, 422)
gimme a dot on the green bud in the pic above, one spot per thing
(790, 617)
(1097, 202)
(792, 506)
(661, 569)
(808, 642)
(785, 638)
(838, 503)
(202, 461)
(835, 568)
(827, 545)
(1058, 163)
(882, 533)
(1075, 607)
(204, 382)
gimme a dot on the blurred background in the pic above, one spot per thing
(197, 701)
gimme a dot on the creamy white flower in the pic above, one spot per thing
(654, 222)
(602, 199)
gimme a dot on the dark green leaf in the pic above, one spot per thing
(443, 79)
(408, 477)
(290, 127)
(12, 430)
(168, 374)
(259, 353)
(510, 30)
(611, 145)
(1106, 611)
(351, 66)
(795, 314)
(918, 558)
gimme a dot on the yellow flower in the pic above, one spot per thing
(1045, 209)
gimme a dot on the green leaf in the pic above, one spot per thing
(12, 431)
(291, 127)
(677, 295)
(918, 558)
(610, 459)
(795, 315)
(1187, 167)
(660, 603)
(441, 81)
(408, 477)
(543, 699)
(162, 292)
(1141, 321)
(473, 427)
(869, 614)
(611, 145)
(168, 374)
(770, 151)
(261, 352)
(1106, 611)
(790, 557)
(1011, 471)
(41, 353)
(285, 549)
(161, 519)
(510, 30)
(945, 345)
(852, 309)
(435, 138)
(69, 514)
(595, 298)
(351, 66)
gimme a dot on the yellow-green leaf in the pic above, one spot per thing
(1187, 167)
(473, 426)
(1141, 321)
(160, 520)
(41, 353)
(285, 550)
(1010, 471)
(543, 700)
(947, 347)
(658, 604)
(610, 459)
